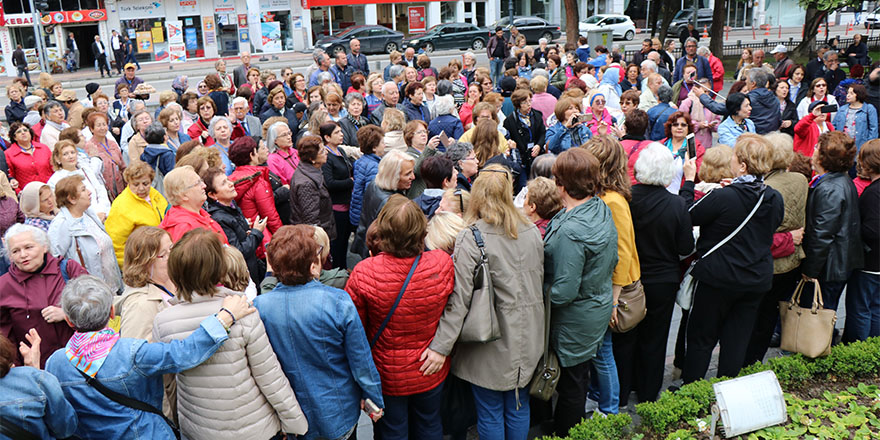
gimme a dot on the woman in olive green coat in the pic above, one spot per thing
(580, 253)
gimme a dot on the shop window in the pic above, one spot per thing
(16, 7)
(192, 36)
(149, 38)
(23, 36)
(447, 12)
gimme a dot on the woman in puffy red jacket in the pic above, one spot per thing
(808, 129)
(374, 285)
(255, 195)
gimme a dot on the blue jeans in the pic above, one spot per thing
(23, 71)
(497, 415)
(414, 416)
(862, 307)
(604, 385)
(496, 70)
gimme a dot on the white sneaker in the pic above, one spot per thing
(598, 413)
(591, 405)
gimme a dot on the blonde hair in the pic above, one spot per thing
(539, 84)
(459, 206)
(166, 97)
(542, 193)
(393, 120)
(58, 151)
(716, 164)
(371, 79)
(492, 195)
(782, 149)
(175, 183)
(442, 230)
(323, 240)
(141, 249)
(236, 277)
(388, 176)
(612, 165)
(755, 152)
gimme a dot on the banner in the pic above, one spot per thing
(144, 42)
(253, 14)
(209, 29)
(176, 46)
(83, 16)
(416, 16)
(2, 19)
(271, 37)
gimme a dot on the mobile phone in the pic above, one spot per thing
(692, 146)
(831, 108)
(585, 117)
(370, 407)
(444, 139)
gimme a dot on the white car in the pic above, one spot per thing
(620, 26)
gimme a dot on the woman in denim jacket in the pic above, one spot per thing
(857, 118)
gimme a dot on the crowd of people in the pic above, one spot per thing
(271, 253)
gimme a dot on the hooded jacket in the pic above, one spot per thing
(255, 196)
(241, 236)
(365, 170)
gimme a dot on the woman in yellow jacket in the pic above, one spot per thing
(614, 189)
(138, 205)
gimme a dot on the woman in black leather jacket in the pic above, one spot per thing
(832, 234)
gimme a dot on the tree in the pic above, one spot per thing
(716, 33)
(816, 12)
(572, 31)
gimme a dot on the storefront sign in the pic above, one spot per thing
(271, 37)
(187, 7)
(274, 5)
(19, 20)
(306, 4)
(140, 9)
(86, 15)
(2, 21)
(209, 30)
(224, 6)
(176, 46)
(144, 42)
(416, 16)
(242, 20)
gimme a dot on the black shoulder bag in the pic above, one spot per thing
(14, 431)
(128, 401)
(412, 270)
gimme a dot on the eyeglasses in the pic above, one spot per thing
(680, 124)
(460, 200)
(197, 183)
(599, 101)
(23, 130)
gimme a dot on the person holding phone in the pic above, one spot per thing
(682, 143)
(571, 129)
(810, 127)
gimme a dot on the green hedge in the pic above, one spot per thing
(665, 417)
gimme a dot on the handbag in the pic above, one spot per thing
(546, 376)
(631, 308)
(15, 432)
(685, 296)
(481, 322)
(807, 331)
(412, 270)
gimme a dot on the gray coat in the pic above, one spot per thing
(517, 268)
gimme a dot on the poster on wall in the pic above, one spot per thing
(144, 42)
(176, 46)
(416, 16)
(191, 39)
(187, 7)
(271, 37)
(209, 29)
(244, 36)
(161, 51)
(158, 35)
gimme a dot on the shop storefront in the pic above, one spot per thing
(188, 14)
(227, 28)
(276, 25)
(143, 21)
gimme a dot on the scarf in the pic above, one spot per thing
(56, 125)
(87, 351)
(697, 113)
(612, 78)
(747, 178)
(358, 122)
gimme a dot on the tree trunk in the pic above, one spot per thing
(812, 18)
(670, 7)
(571, 22)
(716, 44)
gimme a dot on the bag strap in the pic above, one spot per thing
(738, 228)
(15, 432)
(65, 275)
(546, 328)
(478, 238)
(412, 270)
(127, 401)
(82, 261)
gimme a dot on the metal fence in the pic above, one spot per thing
(735, 49)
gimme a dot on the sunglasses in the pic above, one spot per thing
(680, 124)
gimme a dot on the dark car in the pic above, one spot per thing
(534, 28)
(373, 38)
(685, 16)
(449, 36)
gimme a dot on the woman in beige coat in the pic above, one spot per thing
(499, 370)
(240, 392)
(147, 286)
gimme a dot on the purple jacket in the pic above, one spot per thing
(25, 294)
(10, 214)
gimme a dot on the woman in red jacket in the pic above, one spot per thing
(808, 129)
(185, 191)
(374, 285)
(251, 179)
(207, 110)
(28, 160)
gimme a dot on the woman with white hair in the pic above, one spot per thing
(283, 158)
(128, 366)
(445, 119)
(354, 120)
(221, 131)
(395, 176)
(32, 289)
(663, 232)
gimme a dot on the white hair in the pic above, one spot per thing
(240, 100)
(214, 122)
(703, 51)
(655, 165)
(444, 105)
(648, 64)
(542, 41)
(86, 301)
(17, 229)
(272, 136)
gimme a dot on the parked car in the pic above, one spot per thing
(685, 16)
(373, 38)
(872, 19)
(534, 28)
(449, 36)
(620, 25)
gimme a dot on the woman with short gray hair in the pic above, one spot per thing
(445, 119)
(462, 155)
(663, 232)
(355, 104)
(157, 153)
(283, 158)
(221, 131)
(131, 367)
(32, 289)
